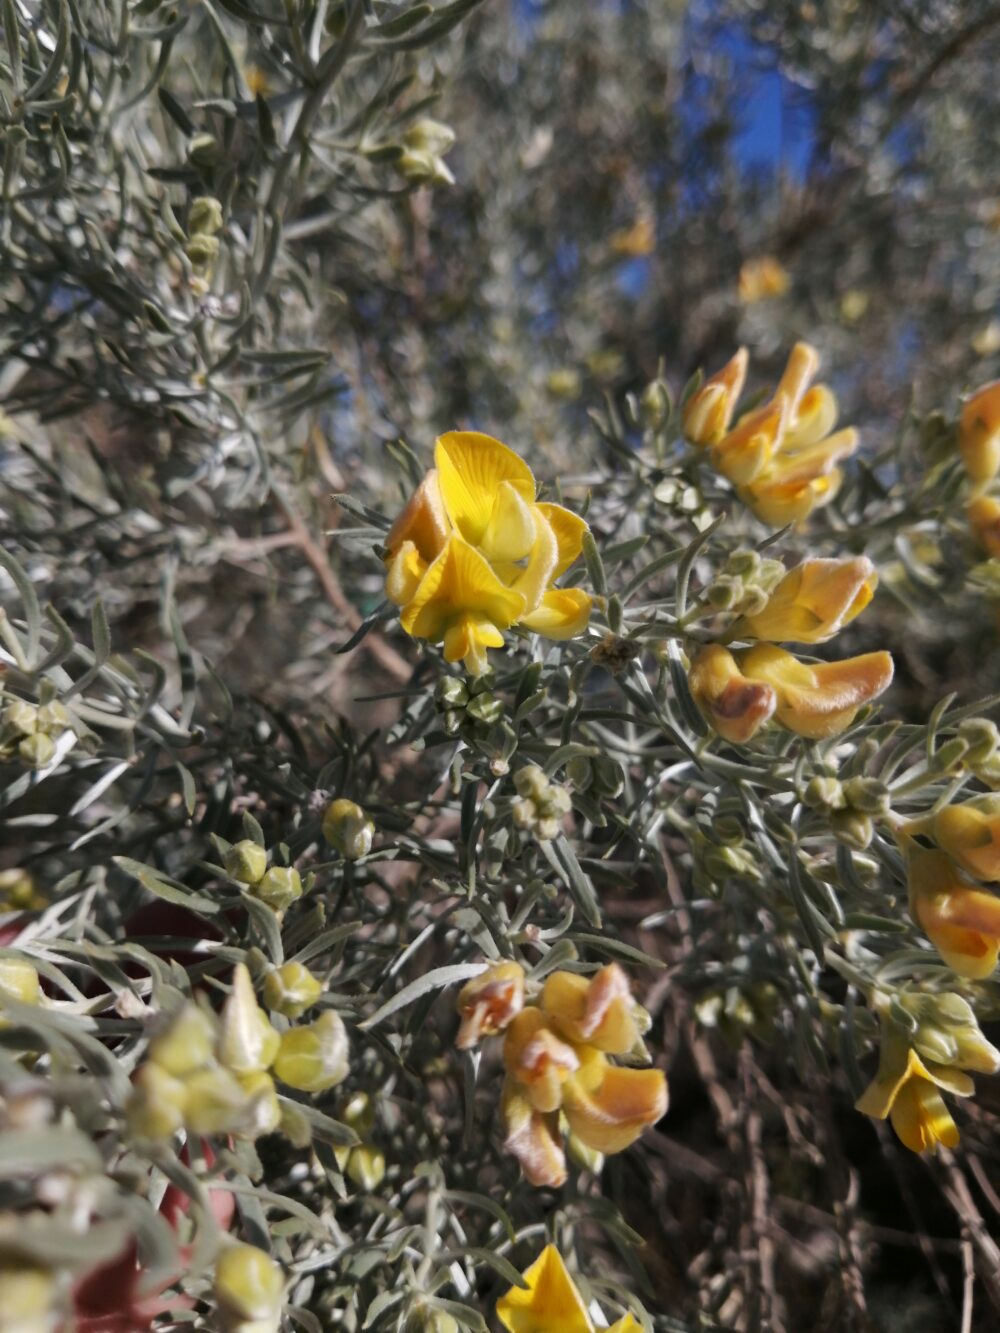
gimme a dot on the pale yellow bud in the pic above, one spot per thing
(348, 829)
(216, 1103)
(247, 1041)
(366, 1167)
(19, 981)
(21, 718)
(156, 1105)
(263, 1107)
(279, 887)
(291, 990)
(246, 861)
(187, 1044)
(249, 1290)
(315, 1057)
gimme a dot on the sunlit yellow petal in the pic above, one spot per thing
(800, 371)
(471, 468)
(970, 833)
(423, 522)
(511, 530)
(539, 571)
(960, 919)
(405, 572)
(819, 700)
(627, 1324)
(708, 412)
(562, 613)
(597, 1010)
(812, 602)
(459, 581)
(746, 451)
(777, 502)
(816, 460)
(613, 1115)
(921, 1118)
(814, 420)
(568, 529)
(551, 1302)
(979, 434)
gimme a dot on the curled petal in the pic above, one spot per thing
(800, 371)
(530, 1137)
(423, 522)
(816, 460)
(921, 1119)
(735, 706)
(540, 569)
(489, 1002)
(568, 529)
(539, 1061)
(812, 602)
(598, 1010)
(611, 1116)
(979, 435)
(562, 613)
(745, 452)
(708, 412)
(821, 700)
(777, 502)
(406, 569)
(970, 833)
(512, 528)
(472, 467)
(814, 420)
(960, 919)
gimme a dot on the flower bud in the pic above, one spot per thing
(21, 718)
(348, 829)
(743, 563)
(245, 861)
(870, 796)
(315, 1057)
(205, 216)
(970, 833)
(852, 828)
(725, 593)
(216, 1102)
(291, 990)
(247, 1041)
(19, 981)
(249, 1290)
(983, 514)
(451, 692)
(423, 168)
(187, 1044)
(53, 717)
(524, 813)
(18, 891)
(366, 1167)
(979, 435)
(202, 250)
(36, 751)
(531, 781)
(157, 1103)
(263, 1111)
(203, 150)
(654, 403)
(546, 829)
(824, 793)
(709, 410)
(429, 136)
(279, 887)
(489, 1002)
(982, 737)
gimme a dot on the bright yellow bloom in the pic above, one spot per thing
(551, 1302)
(778, 502)
(979, 435)
(812, 602)
(984, 520)
(959, 917)
(473, 553)
(708, 412)
(735, 706)
(907, 1091)
(489, 1003)
(744, 454)
(762, 278)
(818, 700)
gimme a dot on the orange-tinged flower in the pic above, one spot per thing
(489, 1003)
(800, 371)
(608, 1107)
(762, 278)
(812, 602)
(538, 1060)
(550, 1303)
(908, 1091)
(597, 1010)
(530, 1136)
(744, 454)
(708, 412)
(735, 706)
(979, 435)
(984, 520)
(818, 700)
(959, 917)
(778, 502)
(970, 833)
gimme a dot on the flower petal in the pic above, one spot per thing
(562, 613)
(743, 454)
(530, 1137)
(812, 602)
(458, 581)
(568, 529)
(423, 522)
(613, 1115)
(822, 700)
(471, 467)
(921, 1118)
(551, 1302)
(735, 707)
(814, 420)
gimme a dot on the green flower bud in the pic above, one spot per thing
(949, 755)
(422, 168)
(37, 751)
(249, 1289)
(366, 1167)
(824, 793)
(19, 981)
(524, 813)
(932, 1043)
(157, 1103)
(485, 708)
(291, 990)
(279, 887)
(348, 829)
(247, 1041)
(216, 1102)
(743, 563)
(852, 828)
(429, 136)
(869, 795)
(205, 216)
(422, 1318)
(655, 404)
(531, 781)
(557, 801)
(18, 891)
(769, 574)
(451, 692)
(752, 602)
(53, 717)
(724, 593)
(204, 150)
(21, 718)
(246, 861)
(187, 1044)
(981, 736)
(547, 829)
(314, 1058)
(202, 250)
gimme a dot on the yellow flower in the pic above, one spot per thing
(812, 602)
(778, 502)
(907, 1091)
(818, 700)
(979, 435)
(531, 1136)
(984, 519)
(959, 917)
(489, 1003)
(637, 240)
(735, 706)
(473, 553)
(550, 1303)
(708, 412)
(969, 832)
(249, 1289)
(597, 1010)
(762, 278)
(538, 1060)
(744, 454)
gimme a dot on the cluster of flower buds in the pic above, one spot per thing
(249, 1290)
(851, 806)
(738, 692)
(541, 804)
(214, 1074)
(204, 224)
(744, 583)
(948, 899)
(31, 730)
(928, 1042)
(364, 1164)
(348, 829)
(550, 1300)
(475, 553)
(979, 447)
(278, 886)
(467, 706)
(781, 456)
(557, 1068)
(735, 1011)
